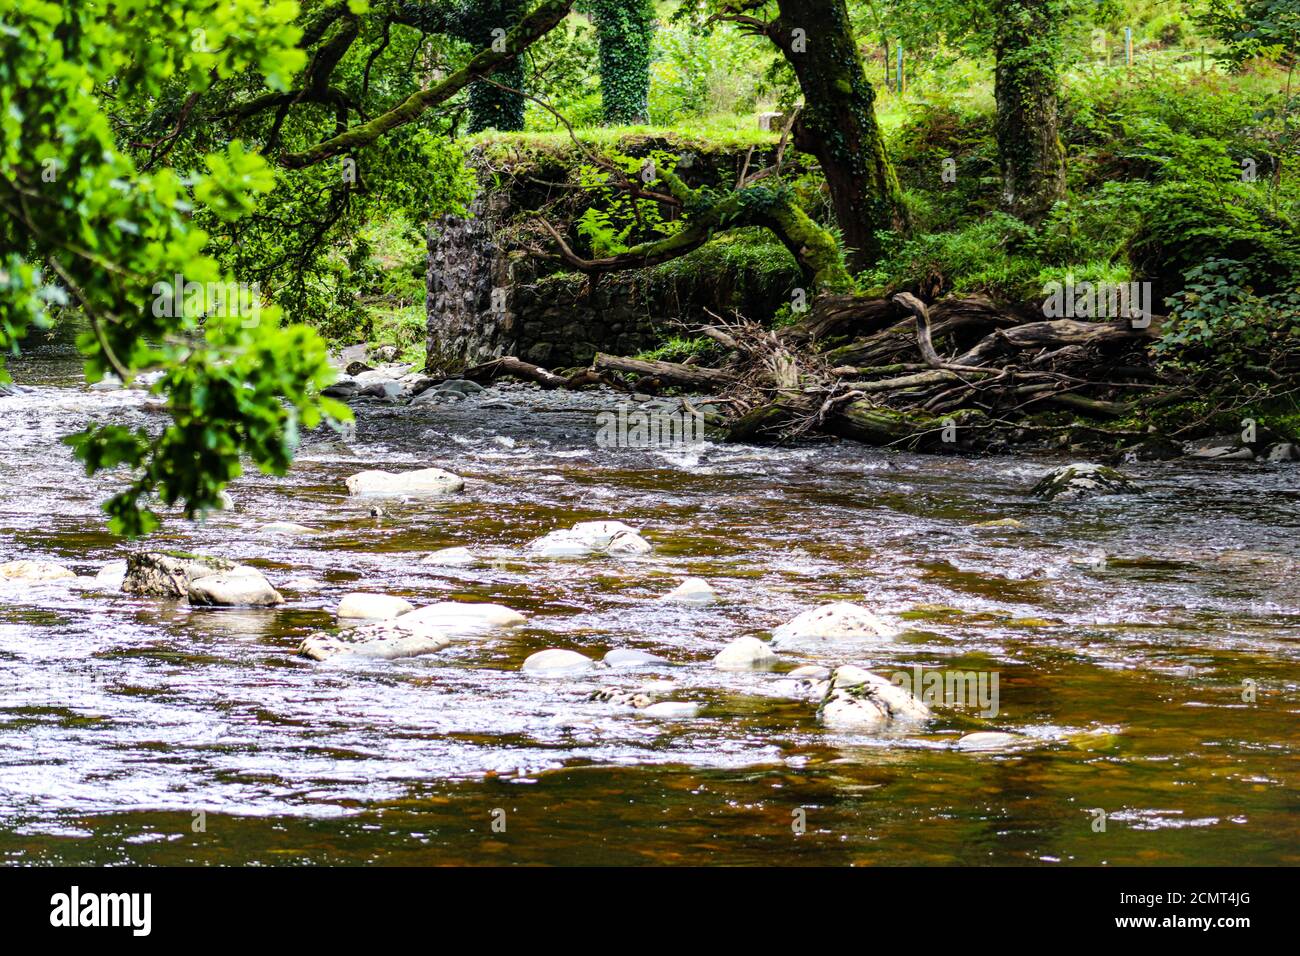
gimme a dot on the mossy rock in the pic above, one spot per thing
(1082, 480)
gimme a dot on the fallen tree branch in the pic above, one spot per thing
(670, 373)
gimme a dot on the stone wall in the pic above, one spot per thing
(488, 296)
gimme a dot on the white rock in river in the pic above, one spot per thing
(600, 533)
(809, 681)
(374, 607)
(34, 571)
(694, 591)
(858, 700)
(986, 740)
(455, 619)
(426, 481)
(384, 640)
(425, 630)
(831, 622)
(451, 557)
(559, 544)
(628, 657)
(672, 709)
(555, 661)
(242, 587)
(628, 542)
(744, 653)
(169, 574)
(590, 537)
(303, 583)
(809, 672)
(111, 575)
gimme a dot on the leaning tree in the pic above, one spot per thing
(146, 141)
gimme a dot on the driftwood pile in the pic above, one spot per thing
(957, 373)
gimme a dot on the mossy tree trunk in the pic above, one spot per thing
(838, 122)
(1030, 153)
(624, 29)
(479, 22)
(491, 107)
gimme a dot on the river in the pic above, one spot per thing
(1128, 635)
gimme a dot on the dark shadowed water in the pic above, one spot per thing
(1123, 632)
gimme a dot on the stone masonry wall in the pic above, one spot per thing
(486, 299)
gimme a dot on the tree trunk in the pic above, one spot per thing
(1030, 153)
(491, 107)
(670, 373)
(624, 29)
(838, 123)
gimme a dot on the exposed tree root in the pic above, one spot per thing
(959, 373)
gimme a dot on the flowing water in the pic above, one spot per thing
(1128, 636)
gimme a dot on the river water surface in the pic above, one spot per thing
(1125, 633)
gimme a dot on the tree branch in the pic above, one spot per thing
(532, 27)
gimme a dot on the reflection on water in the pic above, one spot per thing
(1122, 632)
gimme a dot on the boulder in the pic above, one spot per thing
(302, 583)
(386, 389)
(462, 385)
(111, 575)
(34, 571)
(628, 542)
(459, 620)
(986, 740)
(693, 591)
(204, 581)
(451, 557)
(628, 657)
(591, 537)
(809, 672)
(808, 681)
(1233, 446)
(744, 653)
(372, 376)
(241, 587)
(1153, 448)
(386, 640)
(163, 574)
(1082, 480)
(429, 396)
(860, 701)
(672, 710)
(425, 481)
(840, 621)
(340, 390)
(557, 662)
(622, 698)
(374, 607)
(425, 630)
(1283, 451)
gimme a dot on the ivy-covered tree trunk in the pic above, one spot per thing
(490, 107)
(838, 123)
(1030, 153)
(481, 23)
(624, 29)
